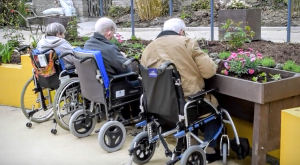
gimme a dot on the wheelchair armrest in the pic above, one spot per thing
(200, 94)
(124, 75)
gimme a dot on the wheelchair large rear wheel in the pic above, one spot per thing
(29, 99)
(145, 152)
(67, 100)
(194, 155)
(112, 136)
(81, 125)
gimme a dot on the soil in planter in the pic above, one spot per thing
(281, 52)
(248, 76)
(15, 58)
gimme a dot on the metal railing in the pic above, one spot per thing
(96, 8)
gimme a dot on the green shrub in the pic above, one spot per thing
(118, 11)
(6, 51)
(296, 69)
(267, 62)
(224, 55)
(289, 65)
(201, 4)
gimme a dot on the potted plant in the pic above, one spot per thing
(239, 11)
(256, 94)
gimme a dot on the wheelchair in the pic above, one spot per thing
(163, 98)
(103, 97)
(38, 92)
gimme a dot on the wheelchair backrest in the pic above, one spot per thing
(159, 91)
(47, 68)
(92, 88)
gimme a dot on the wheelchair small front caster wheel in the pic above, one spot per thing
(53, 131)
(29, 125)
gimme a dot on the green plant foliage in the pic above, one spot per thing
(289, 65)
(205, 51)
(237, 4)
(267, 62)
(275, 77)
(201, 4)
(224, 55)
(237, 35)
(6, 51)
(296, 69)
(14, 36)
(35, 40)
(71, 30)
(8, 14)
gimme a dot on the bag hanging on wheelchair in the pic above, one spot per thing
(47, 74)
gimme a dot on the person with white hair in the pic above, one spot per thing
(113, 58)
(194, 66)
(54, 38)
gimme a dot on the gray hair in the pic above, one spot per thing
(174, 24)
(105, 24)
(55, 28)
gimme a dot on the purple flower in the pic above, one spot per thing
(226, 65)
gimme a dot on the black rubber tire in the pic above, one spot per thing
(59, 91)
(33, 119)
(141, 137)
(192, 150)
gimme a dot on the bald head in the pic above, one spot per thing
(174, 24)
(104, 25)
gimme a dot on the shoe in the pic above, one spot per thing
(213, 157)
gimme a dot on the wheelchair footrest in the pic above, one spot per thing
(31, 113)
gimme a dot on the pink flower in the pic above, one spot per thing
(252, 55)
(240, 50)
(226, 65)
(241, 59)
(229, 58)
(250, 49)
(225, 72)
(247, 53)
(120, 40)
(251, 71)
(259, 57)
(233, 55)
(253, 59)
(259, 54)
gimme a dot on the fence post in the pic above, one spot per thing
(289, 21)
(171, 7)
(101, 8)
(212, 20)
(132, 19)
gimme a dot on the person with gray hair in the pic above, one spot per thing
(194, 66)
(113, 58)
(54, 38)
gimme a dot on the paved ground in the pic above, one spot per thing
(37, 146)
(275, 34)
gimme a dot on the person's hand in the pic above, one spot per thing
(124, 54)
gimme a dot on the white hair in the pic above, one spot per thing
(55, 28)
(174, 24)
(105, 24)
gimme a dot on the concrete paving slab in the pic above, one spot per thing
(37, 146)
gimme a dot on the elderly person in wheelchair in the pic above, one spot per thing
(113, 58)
(194, 66)
(54, 38)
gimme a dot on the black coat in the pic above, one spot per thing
(112, 57)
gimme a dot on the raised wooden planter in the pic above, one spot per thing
(250, 17)
(259, 103)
